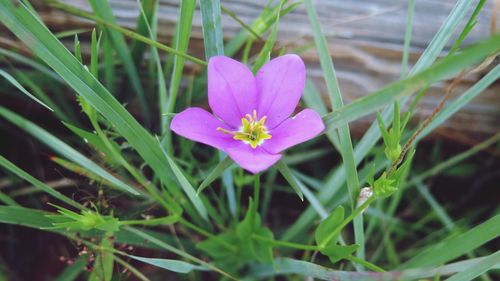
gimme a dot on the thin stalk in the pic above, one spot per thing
(364, 263)
(285, 243)
(75, 11)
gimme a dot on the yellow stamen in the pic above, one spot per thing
(252, 130)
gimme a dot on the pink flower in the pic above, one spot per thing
(251, 122)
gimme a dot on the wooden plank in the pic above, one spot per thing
(365, 37)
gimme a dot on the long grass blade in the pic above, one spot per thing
(20, 87)
(63, 149)
(103, 10)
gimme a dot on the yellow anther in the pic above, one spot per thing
(252, 130)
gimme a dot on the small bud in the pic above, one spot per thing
(364, 194)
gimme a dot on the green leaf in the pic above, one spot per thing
(138, 48)
(96, 142)
(72, 271)
(339, 252)
(6, 164)
(215, 249)
(103, 266)
(263, 251)
(14, 82)
(103, 10)
(63, 149)
(456, 246)
(249, 224)
(323, 235)
(265, 52)
(212, 30)
(492, 261)
(287, 174)
(25, 217)
(283, 266)
(215, 173)
(186, 186)
(169, 264)
(182, 36)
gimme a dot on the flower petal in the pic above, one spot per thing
(280, 83)
(253, 160)
(199, 125)
(304, 126)
(231, 89)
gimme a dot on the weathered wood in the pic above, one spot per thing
(365, 39)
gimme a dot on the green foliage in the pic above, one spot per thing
(237, 245)
(84, 221)
(326, 232)
(141, 187)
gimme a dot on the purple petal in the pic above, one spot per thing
(231, 89)
(304, 126)
(253, 160)
(280, 83)
(199, 125)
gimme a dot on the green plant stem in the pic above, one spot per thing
(205, 233)
(135, 174)
(256, 190)
(364, 263)
(285, 243)
(339, 228)
(75, 11)
(156, 221)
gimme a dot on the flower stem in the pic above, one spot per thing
(256, 191)
(364, 263)
(285, 243)
(347, 220)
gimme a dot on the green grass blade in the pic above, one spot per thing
(6, 164)
(186, 186)
(182, 35)
(138, 48)
(24, 217)
(103, 10)
(169, 264)
(72, 271)
(313, 200)
(163, 245)
(162, 85)
(445, 32)
(443, 165)
(443, 69)
(75, 11)
(346, 149)
(212, 30)
(468, 26)
(215, 173)
(20, 87)
(455, 105)
(438, 209)
(32, 63)
(407, 40)
(7, 200)
(265, 52)
(63, 148)
(481, 267)
(456, 246)
(287, 174)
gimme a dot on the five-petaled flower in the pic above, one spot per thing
(251, 122)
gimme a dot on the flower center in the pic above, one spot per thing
(252, 130)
